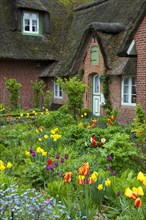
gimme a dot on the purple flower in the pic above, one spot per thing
(52, 167)
(48, 201)
(61, 175)
(57, 156)
(114, 173)
(118, 193)
(31, 150)
(108, 168)
(56, 163)
(33, 154)
(109, 158)
(48, 167)
(66, 156)
(62, 160)
(86, 181)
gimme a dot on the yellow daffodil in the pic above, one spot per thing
(140, 176)
(81, 177)
(21, 115)
(94, 176)
(40, 129)
(2, 167)
(44, 153)
(128, 192)
(36, 131)
(108, 182)
(1, 162)
(56, 129)
(52, 132)
(85, 114)
(27, 153)
(46, 136)
(39, 150)
(40, 139)
(82, 116)
(9, 165)
(27, 115)
(33, 111)
(100, 187)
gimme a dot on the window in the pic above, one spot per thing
(129, 91)
(94, 55)
(57, 91)
(31, 22)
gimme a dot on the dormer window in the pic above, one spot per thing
(30, 23)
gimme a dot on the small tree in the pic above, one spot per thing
(47, 98)
(75, 89)
(38, 87)
(13, 87)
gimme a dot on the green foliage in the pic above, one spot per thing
(47, 99)
(55, 118)
(121, 150)
(75, 90)
(74, 3)
(139, 114)
(105, 88)
(13, 87)
(38, 87)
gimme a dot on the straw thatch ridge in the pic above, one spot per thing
(114, 28)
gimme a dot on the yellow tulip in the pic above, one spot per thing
(128, 192)
(2, 167)
(140, 176)
(9, 165)
(108, 182)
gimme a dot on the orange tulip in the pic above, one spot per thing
(67, 177)
(90, 180)
(84, 169)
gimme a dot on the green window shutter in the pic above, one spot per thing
(40, 24)
(94, 55)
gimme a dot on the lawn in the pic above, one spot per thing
(55, 167)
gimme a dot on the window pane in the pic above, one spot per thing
(133, 99)
(27, 25)
(125, 98)
(126, 81)
(34, 26)
(60, 92)
(126, 89)
(96, 84)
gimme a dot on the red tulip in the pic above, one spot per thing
(49, 161)
(138, 202)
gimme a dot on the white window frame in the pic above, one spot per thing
(129, 103)
(30, 20)
(57, 91)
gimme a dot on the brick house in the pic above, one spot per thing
(104, 38)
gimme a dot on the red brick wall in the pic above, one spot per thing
(23, 72)
(140, 41)
(125, 113)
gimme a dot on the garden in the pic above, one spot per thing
(67, 164)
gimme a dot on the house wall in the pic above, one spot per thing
(140, 41)
(89, 71)
(23, 72)
(125, 113)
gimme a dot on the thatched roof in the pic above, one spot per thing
(111, 21)
(15, 45)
